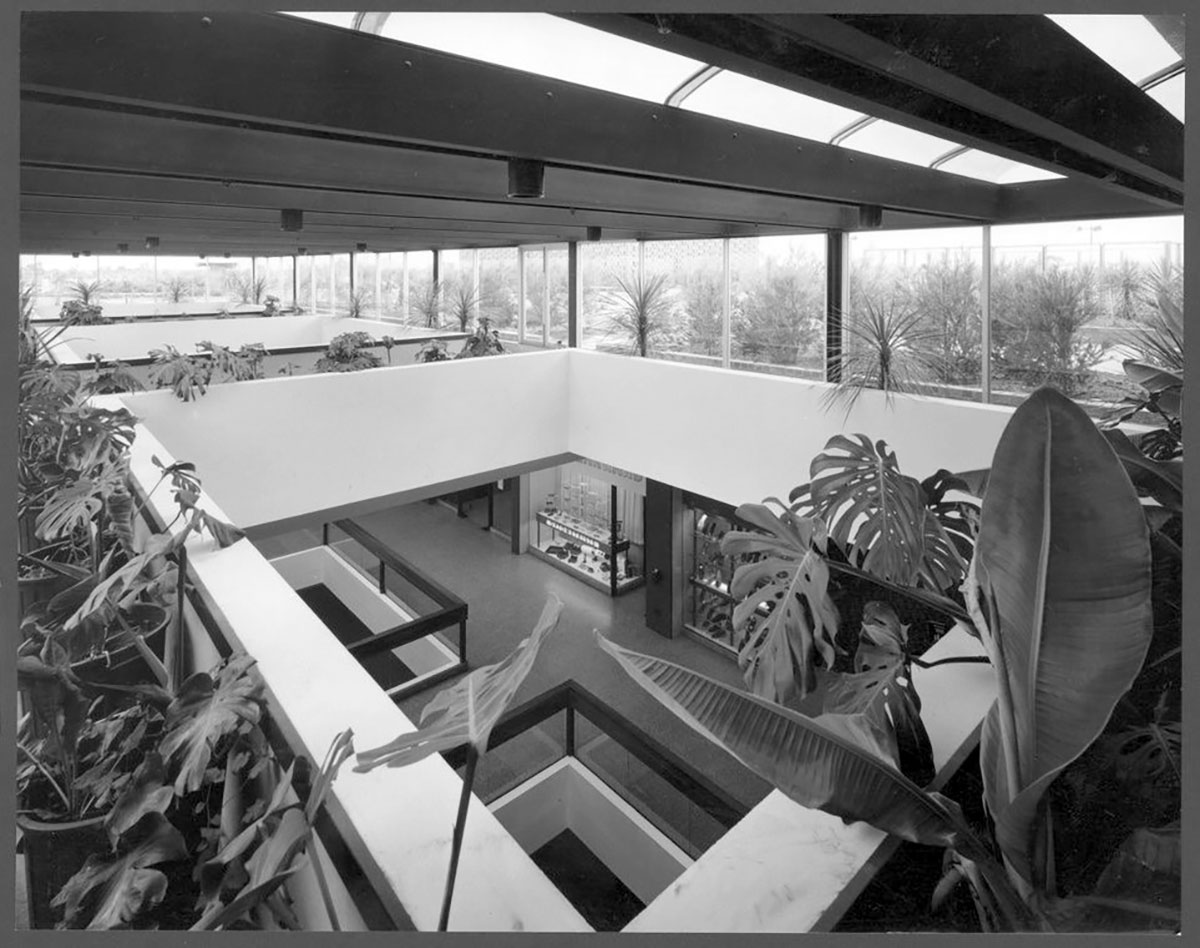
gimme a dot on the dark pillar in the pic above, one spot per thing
(573, 294)
(836, 300)
(663, 529)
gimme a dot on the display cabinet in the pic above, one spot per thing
(708, 609)
(586, 540)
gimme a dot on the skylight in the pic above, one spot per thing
(888, 140)
(1128, 43)
(548, 46)
(739, 98)
(988, 167)
(342, 18)
(1169, 94)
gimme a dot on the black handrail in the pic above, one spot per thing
(377, 548)
(573, 698)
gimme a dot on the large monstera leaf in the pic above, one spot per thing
(789, 582)
(818, 762)
(881, 693)
(466, 712)
(205, 710)
(1060, 588)
(878, 515)
(126, 885)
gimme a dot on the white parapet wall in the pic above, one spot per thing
(568, 796)
(397, 822)
(276, 451)
(330, 442)
(273, 452)
(131, 341)
(742, 436)
(378, 612)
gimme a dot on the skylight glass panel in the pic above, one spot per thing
(1169, 95)
(987, 167)
(1128, 43)
(739, 98)
(342, 18)
(888, 140)
(548, 46)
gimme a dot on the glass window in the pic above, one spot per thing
(1128, 43)
(557, 274)
(778, 305)
(602, 265)
(974, 163)
(692, 272)
(424, 302)
(460, 294)
(915, 320)
(738, 98)
(1072, 300)
(1169, 95)
(342, 18)
(305, 286)
(888, 140)
(548, 46)
(498, 288)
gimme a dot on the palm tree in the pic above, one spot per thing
(640, 313)
(887, 350)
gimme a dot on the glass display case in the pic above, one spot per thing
(581, 529)
(708, 604)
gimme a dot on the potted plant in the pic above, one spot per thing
(1079, 755)
(484, 341)
(435, 350)
(641, 314)
(349, 352)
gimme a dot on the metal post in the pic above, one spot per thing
(353, 264)
(333, 284)
(312, 284)
(295, 295)
(837, 299)
(726, 306)
(573, 294)
(612, 547)
(404, 285)
(985, 315)
(378, 288)
(477, 305)
(545, 298)
(521, 295)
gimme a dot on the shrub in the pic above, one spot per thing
(349, 352)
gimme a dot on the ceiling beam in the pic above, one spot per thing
(284, 73)
(1016, 86)
(64, 141)
(146, 192)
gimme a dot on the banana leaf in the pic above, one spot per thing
(466, 712)
(1060, 588)
(791, 580)
(819, 763)
(1162, 480)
